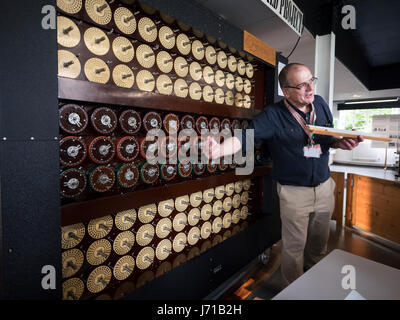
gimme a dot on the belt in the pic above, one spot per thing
(314, 185)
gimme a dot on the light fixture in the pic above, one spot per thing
(373, 101)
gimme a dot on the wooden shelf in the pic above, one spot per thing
(84, 211)
(79, 90)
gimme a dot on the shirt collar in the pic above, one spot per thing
(297, 110)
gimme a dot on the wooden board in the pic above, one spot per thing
(346, 133)
(86, 210)
(80, 90)
(256, 47)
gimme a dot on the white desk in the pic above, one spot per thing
(373, 172)
(374, 281)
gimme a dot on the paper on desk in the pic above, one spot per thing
(354, 295)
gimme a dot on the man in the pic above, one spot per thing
(300, 167)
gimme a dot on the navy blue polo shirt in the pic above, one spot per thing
(286, 140)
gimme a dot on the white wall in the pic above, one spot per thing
(365, 155)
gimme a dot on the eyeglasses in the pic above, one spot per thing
(304, 85)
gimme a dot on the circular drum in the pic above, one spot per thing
(123, 49)
(193, 236)
(130, 121)
(104, 120)
(199, 169)
(101, 150)
(168, 171)
(201, 123)
(184, 146)
(147, 29)
(222, 165)
(127, 148)
(68, 64)
(68, 34)
(72, 183)
(236, 124)
(149, 173)
(127, 175)
(226, 124)
(152, 120)
(215, 124)
(72, 151)
(149, 150)
(187, 122)
(101, 178)
(184, 169)
(198, 143)
(166, 37)
(125, 20)
(169, 147)
(73, 118)
(171, 123)
(212, 167)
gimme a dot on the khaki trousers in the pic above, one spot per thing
(305, 215)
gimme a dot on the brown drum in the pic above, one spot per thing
(148, 173)
(101, 150)
(72, 183)
(171, 123)
(215, 124)
(168, 171)
(152, 120)
(127, 149)
(201, 124)
(101, 178)
(188, 122)
(73, 118)
(127, 175)
(130, 121)
(72, 151)
(104, 120)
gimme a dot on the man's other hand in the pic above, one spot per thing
(348, 143)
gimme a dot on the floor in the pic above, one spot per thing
(263, 281)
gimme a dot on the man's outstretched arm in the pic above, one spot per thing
(214, 150)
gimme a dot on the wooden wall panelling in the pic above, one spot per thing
(349, 200)
(337, 215)
(376, 207)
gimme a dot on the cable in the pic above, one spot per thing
(297, 42)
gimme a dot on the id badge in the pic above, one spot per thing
(313, 151)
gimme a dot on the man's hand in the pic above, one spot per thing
(212, 149)
(347, 143)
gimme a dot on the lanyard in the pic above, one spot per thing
(302, 122)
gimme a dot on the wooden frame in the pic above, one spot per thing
(337, 215)
(84, 211)
(373, 205)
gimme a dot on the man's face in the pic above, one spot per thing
(300, 77)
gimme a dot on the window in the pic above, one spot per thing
(361, 120)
